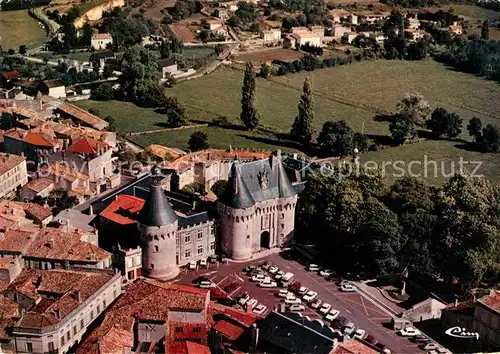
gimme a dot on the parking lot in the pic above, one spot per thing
(351, 305)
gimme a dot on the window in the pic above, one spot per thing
(29, 347)
(178, 329)
(62, 340)
(68, 336)
(91, 315)
(156, 248)
(152, 266)
(212, 229)
(187, 238)
(82, 323)
(156, 237)
(200, 234)
(188, 254)
(51, 346)
(212, 246)
(197, 329)
(114, 294)
(104, 303)
(177, 240)
(74, 330)
(98, 308)
(200, 249)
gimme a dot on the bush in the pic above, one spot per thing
(221, 121)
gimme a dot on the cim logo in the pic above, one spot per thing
(459, 332)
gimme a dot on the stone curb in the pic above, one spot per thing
(375, 301)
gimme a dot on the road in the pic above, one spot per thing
(352, 306)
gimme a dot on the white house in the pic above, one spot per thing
(271, 35)
(101, 41)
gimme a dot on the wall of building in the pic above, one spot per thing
(57, 92)
(195, 243)
(29, 194)
(12, 179)
(70, 329)
(487, 324)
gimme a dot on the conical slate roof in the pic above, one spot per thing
(156, 210)
(237, 194)
(285, 187)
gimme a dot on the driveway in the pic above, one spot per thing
(352, 306)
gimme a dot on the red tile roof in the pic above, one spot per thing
(53, 83)
(230, 330)
(83, 115)
(101, 36)
(87, 146)
(123, 210)
(66, 172)
(38, 212)
(11, 75)
(9, 310)
(492, 300)
(39, 139)
(353, 346)
(243, 317)
(38, 185)
(9, 161)
(16, 241)
(195, 348)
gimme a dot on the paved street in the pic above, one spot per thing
(352, 306)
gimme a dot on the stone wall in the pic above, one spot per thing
(95, 13)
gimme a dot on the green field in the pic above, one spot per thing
(17, 27)
(470, 11)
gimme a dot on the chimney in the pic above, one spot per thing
(249, 308)
(57, 313)
(91, 210)
(456, 302)
(78, 296)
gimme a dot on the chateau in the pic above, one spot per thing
(161, 229)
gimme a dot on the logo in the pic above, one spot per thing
(459, 332)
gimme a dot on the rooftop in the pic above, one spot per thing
(123, 210)
(492, 300)
(229, 330)
(101, 36)
(38, 185)
(88, 146)
(9, 161)
(18, 211)
(38, 212)
(83, 115)
(64, 285)
(9, 311)
(10, 75)
(164, 151)
(53, 83)
(66, 172)
(16, 241)
(353, 346)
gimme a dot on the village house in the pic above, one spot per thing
(455, 28)
(52, 88)
(11, 313)
(129, 262)
(25, 214)
(13, 173)
(372, 17)
(348, 37)
(35, 146)
(65, 177)
(296, 40)
(339, 15)
(339, 30)
(40, 187)
(168, 67)
(59, 306)
(99, 58)
(271, 35)
(101, 41)
(319, 30)
(81, 116)
(416, 34)
(221, 13)
(214, 24)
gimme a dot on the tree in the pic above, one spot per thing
(249, 115)
(70, 37)
(444, 123)
(6, 120)
(490, 140)
(265, 70)
(485, 30)
(360, 141)
(22, 49)
(302, 126)
(219, 188)
(86, 38)
(94, 111)
(198, 141)
(176, 113)
(105, 92)
(415, 107)
(402, 128)
(11, 51)
(474, 128)
(111, 122)
(336, 138)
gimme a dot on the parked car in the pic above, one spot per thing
(295, 286)
(345, 281)
(223, 259)
(313, 267)
(348, 328)
(200, 279)
(252, 302)
(217, 294)
(279, 274)
(249, 268)
(325, 272)
(429, 346)
(381, 346)
(287, 276)
(302, 290)
(310, 296)
(292, 301)
(316, 304)
(207, 284)
(244, 299)
(347, 287)
(260, 309)
(420, 339)
(268, 283)
(273, 269)
(409, 332)
(333, 314)
(258, 278)
(297, 307)
(203, 262)
(266, 265)
(359, 333)
(227, 301)
(318, 321)
(371, 339)
(213, 259)
(192, 265)
(325, 308)
(284, 293)
(231, 287)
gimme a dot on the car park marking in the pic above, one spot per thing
(227, 276)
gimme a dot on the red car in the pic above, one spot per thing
(217, 294)
(231, 287)
(370, 339)
(295, 286)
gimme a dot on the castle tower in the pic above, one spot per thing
(157, 226)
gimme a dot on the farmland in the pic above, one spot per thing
(269, 55)
(17, 27)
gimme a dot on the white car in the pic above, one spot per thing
(260, 309)
(316, 304)
(192, 265)
(430, 346)
(325, 308)
(268, 284)
(349, 328)
(302, 290)
(297, 307)
(333, 314)
(273, 270)
(243, 299)
(347, 287)
(409, 332)
(292, 301)
(205, 284)
(279, 274)
(252, 302)
(318, 321)
(360, 333)
(203, 262)
(313, 267)
(310, 296)
(325, 272)
(284, 293)
(258, 278)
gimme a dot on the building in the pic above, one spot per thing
(59, 306)
(164, 153)
(99, 58)
(100, 41)
(348, 37)
(221, 13)
(339, 15)
(214, 24)
(339, 30)
(81, 116)
(372, 17)
(34, 145)
(415, 34)
(258, 208)
(68, 178)
(425, 310)
(155, 316)
(13, 173)
(40, 187)
(457, 29)
(272, 35)
(481, 316)
(11, 312)
(52, 88)
(305, 37)
(319, 30)
(168, 67)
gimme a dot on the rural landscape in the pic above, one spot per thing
(249, 176)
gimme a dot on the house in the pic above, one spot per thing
(457, 29)
(40, 187)
(214, 24)
(59, 305)
(11, 312)
(34, 145)
(348, 37)
(338, 15)
(372, 16)
(425, 310)
(101, 41)
(8, 77)
(65, 177)
(319, 30)
(81, 116)
(415, 34)
(221, 13)
(25, 214)
(305, 37)
(480, 316)
(272, 35)
(99, 58)
(52, 88)
(129, 262)
(339, 30)
(168, 67)
(13, 173)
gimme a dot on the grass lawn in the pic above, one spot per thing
(18, 27)
(470, 11)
